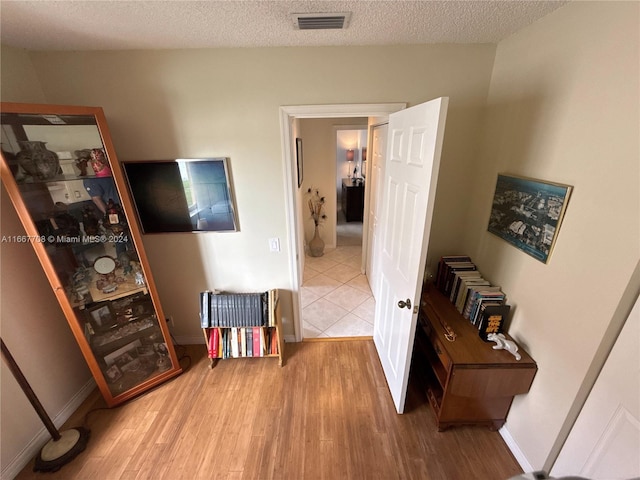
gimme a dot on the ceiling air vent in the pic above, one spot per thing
(320, 21)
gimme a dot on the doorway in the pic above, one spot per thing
(351, 171)
(336, 301)
(289, 123)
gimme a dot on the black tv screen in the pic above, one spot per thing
(183, 195)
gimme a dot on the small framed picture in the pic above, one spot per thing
(132, 366)
(124, 304)
(118, 356)
(161, 348)
(142, 308)
(113, 373)
(299, 161)
(102, 317)
(123, 359)
(146, 351)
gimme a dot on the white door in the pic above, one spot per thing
(411, 172)
(604, 443)
(379, 151)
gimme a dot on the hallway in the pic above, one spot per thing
(336, 298)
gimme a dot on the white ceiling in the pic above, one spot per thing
(126, 25)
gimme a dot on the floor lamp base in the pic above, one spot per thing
(57, 453)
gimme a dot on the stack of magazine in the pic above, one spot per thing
(475, 298)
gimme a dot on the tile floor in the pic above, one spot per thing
(336, 298)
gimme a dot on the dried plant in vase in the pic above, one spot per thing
(316, 208)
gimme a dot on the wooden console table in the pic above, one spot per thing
(352, 200)
(469, 383)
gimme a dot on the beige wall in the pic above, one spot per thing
(563, 107)
(19, 80)
(194, 103)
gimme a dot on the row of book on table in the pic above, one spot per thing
(475, 298)
(236, 342)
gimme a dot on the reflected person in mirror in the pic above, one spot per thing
(101, 188)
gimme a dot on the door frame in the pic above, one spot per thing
(288, 114)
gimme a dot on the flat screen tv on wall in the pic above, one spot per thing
(182, 195)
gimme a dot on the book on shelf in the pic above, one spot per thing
(473, 295)
(441, 273)
(234, 310)
(484, 297)
(235, 353)
(205, 309)
(257, 333)
(458, 278)
(272, 301)
(214, 342)
(465, 289)
(262, 341)
(243, 341)
(448, 267)
(223, 343)
(492, 319)
(249, 335)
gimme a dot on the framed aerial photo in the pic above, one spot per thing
(528, 213)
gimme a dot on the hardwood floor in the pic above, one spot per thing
(326, 414)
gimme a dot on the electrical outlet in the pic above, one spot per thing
(170, 321)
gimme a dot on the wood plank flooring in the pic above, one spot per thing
(327, 414)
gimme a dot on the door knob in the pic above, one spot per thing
(403, 304)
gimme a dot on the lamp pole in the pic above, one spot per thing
(62, 447)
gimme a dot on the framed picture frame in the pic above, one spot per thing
(182, 195)
(142, 308)
(161, 349)
(113, 373)
(123, 355)
(102, 317)
(299, 161)
(527, 213)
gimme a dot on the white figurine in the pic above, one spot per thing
(503, 344)
(139, 278)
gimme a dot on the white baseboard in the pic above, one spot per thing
(190, 340)
(31, 450)
(515, 450)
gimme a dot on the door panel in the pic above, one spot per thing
(605, 439)
(378, 157)
(410, 176)
(408, 233)
(391, 228)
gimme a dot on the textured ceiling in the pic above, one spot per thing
(126, 25)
